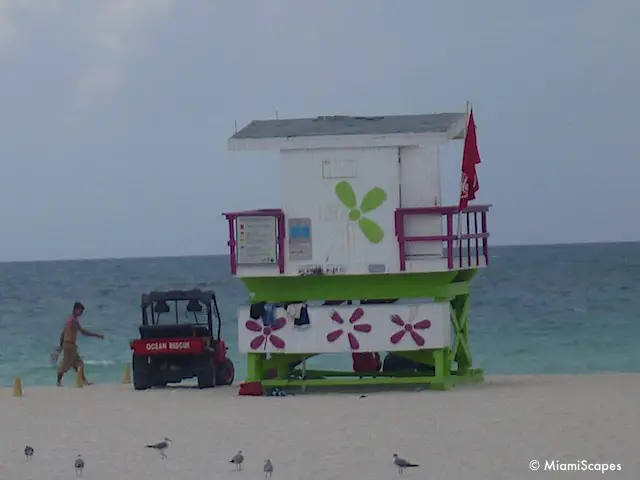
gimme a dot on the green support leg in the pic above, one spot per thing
(255, 372)
(442, 380)
(461, 354)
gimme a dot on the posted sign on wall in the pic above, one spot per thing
(256, 240)
(300, 239)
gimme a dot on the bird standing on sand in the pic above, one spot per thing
(401, 463)
(79, 465)
(237, 459)
(161, 447)
(28, 452)
(268, 468)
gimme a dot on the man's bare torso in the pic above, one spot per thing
(70, 331)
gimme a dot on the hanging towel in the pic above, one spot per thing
(256, 310)
(293, 310)
(302, 319)
(269, 318)
(298, 313)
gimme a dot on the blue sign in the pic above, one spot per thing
(299, 239)
(300, 232)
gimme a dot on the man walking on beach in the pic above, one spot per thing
(68, 346)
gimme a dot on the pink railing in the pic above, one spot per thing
(474, 241)
(280, 234)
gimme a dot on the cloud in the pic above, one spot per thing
(114, 37)
(110, 31)
(10, 10)
(603, 19)
(7, 29)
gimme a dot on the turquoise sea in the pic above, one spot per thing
(536, 309)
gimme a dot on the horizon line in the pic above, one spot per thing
(157, 257)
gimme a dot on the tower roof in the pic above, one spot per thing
(390, 130)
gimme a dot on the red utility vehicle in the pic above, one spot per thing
(183, 345)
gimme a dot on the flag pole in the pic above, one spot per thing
(467, 110)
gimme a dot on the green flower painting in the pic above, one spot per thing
(372, 200)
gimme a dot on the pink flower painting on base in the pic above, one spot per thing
(266, 333)
(411, 328)
(357, 315)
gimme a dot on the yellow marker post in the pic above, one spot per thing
(17, 387)
(126, 377)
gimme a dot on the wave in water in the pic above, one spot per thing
(100, 362)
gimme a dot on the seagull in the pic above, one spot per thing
(79, 464)
(161, 446)
(238, 458)
(268, 468)
(401, 463)
(28, 452)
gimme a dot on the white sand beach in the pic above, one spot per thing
(485, 432)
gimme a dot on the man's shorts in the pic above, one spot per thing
(70, 357)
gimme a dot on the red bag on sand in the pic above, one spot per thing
(366, 362)
(253, 389)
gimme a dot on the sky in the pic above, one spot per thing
(115, 115)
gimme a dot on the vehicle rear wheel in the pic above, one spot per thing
(226, 373)
(207, 373)
(141, 372)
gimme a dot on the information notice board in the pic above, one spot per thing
(256, 240)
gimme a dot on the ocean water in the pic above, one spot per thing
(538, 309)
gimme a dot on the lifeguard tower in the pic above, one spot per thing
(362, 233)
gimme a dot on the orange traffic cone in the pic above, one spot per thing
(126, 377)
(17, 387)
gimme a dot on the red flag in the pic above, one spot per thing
(470, 158)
